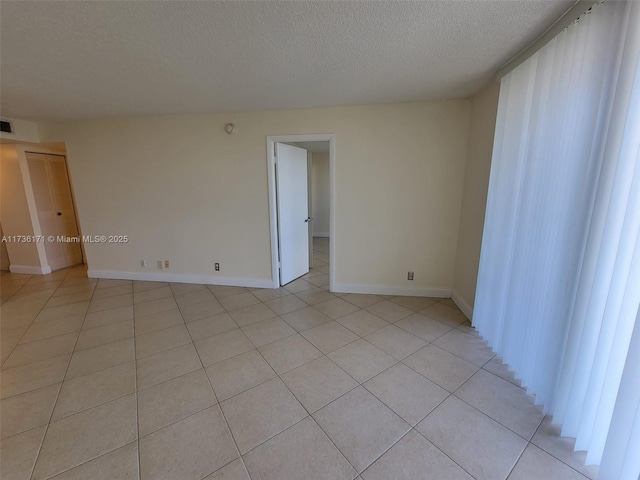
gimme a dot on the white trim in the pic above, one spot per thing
(273, 217)
(566, 19)
(332, 211)
(30, 269)
(21, 151)
(321, 234)
(462, 304)
(393, 290)
(180, 278)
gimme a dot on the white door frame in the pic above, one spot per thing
(273, 215)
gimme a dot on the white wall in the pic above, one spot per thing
(476, 183)
(320, 194)
(184, 190)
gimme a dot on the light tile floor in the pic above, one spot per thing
(111, 379)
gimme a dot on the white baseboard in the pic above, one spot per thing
(393, 290)
(321, 234)
(462, 304)
(180, 278)
(30, 269)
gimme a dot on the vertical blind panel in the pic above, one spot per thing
(559, 279)
(549, 115)
(620, 458)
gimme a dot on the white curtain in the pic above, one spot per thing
(559, 280)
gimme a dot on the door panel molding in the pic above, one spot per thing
(293, 214)
(54, 207)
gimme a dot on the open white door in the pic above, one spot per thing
(293, 211)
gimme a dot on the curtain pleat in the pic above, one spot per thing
(559, 279)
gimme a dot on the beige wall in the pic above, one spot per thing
(476, 181)
(4, 254)
(23, 131)
(320, 193)
(14, 209)
(184, 190)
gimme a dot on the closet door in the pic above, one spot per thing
(55, 208)
(65, 213)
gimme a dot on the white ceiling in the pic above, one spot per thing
(91, 59)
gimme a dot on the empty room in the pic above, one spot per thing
(341, 240)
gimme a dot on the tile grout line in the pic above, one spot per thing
(135, 374)
(83, 410)
(55, 404)
(241, 456)
(550, 454)
(36, 315)
(218, 403)
(32, 321)
(529, 442)
(486, 414)
(309, 415)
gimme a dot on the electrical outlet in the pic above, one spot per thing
(216, 266)
(159, 264)
(143, 263)
(409, 275)
(166, 264)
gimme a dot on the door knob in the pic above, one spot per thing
(59, 214)
(308, 219)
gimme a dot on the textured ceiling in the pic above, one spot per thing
(92, 59)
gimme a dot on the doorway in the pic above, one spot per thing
(288, 248)
(55, 209)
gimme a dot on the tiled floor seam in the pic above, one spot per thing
(412, 427)
(135, 383)
(478, 367)
(215, 395)
(89, 460)
(55, 403)
(516, 462)
(389, 407)
(528, 440)
(31, 323)
(428, 341)
(309, 415)
(140, 437)
(266, 344)
(60, 285)
(493, 419)
(445, 453)
(105, 325)
(551, 454)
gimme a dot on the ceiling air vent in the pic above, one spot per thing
(5, 126)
